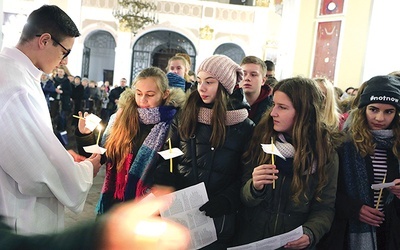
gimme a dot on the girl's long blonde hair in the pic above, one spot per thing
(126, 127)
(330, 108)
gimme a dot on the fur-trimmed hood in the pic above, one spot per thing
(176, 97)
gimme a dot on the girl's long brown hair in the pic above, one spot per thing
(190, 112)
(311, 138)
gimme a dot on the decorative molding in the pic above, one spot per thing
(183, 9)
(206, 33)
(109, 4)
(233, 15)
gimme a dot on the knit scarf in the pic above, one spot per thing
(232, 116)
(287, 150)
(133, 179)
(361, 235)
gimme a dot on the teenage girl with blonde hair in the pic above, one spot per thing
(134, 135)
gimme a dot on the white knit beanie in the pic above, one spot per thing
(224, 69)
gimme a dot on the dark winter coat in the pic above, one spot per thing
(85, 236)
(114, 95)
(65, 97)
(348, 208)
(272, 212)
(219, 168)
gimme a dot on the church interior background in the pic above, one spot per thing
(345, 41)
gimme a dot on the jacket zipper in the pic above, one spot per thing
(279, 203)
(212, 165)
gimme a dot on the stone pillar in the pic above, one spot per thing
(123, 57)
(73, 9)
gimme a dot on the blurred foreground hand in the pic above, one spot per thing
(136, 225)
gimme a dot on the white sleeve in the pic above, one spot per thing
(34, 158)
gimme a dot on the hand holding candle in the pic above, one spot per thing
(82, 123)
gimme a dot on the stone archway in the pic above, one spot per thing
(99, 56)
(156, 47)
(232, 51)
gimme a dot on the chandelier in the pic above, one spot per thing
(134, 15)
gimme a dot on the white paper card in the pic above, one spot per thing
(272, 242)
(185, 210)
(382, 185)
(269, 150)
(168, 154)
(91, 121)
(94, 149)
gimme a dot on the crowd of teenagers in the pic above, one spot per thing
(219, 119)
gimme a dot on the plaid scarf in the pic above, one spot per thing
(133, 180)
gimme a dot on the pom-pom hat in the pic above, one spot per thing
(224, 69)
(381, 89)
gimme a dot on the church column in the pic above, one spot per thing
(123, 57)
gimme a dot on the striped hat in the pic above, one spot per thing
(224, 69)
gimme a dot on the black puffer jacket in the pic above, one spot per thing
(219, 168)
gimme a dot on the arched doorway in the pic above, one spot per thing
(99, 56)
(156, 47)
(232, 51)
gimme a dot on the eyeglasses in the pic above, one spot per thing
(66, 53)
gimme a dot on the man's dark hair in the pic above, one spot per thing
(49, 19)
(271, 81)
(270, 65)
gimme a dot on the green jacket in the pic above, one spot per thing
(271, 212)
(85, 236)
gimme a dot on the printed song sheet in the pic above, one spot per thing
(272, 242)
(185, 210)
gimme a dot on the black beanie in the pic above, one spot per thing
(381, 89)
